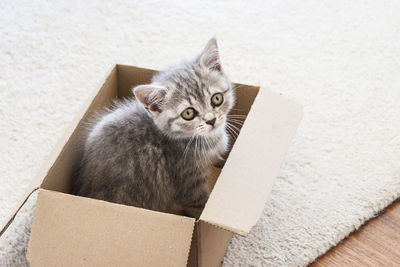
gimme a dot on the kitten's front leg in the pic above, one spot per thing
(195, 198)
(193, 212)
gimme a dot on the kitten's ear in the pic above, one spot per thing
(151, 96)
(210, 55)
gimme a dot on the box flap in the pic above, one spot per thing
(246, 180)
(69, 230)
(212, 244)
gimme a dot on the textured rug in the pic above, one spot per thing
(340, 59)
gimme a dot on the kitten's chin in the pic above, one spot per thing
(215, 131)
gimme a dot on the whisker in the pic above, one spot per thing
(236, 116)
(187, 147)
(238, 109)
(209, 148)
(234, 127)
(231, 128)
(231, 132)
(236, 121)
(233, 136)
(195, 150)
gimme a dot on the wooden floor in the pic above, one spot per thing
(377, 243)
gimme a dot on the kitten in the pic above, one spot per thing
(155, 151)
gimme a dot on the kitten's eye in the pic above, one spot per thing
(217, 99)
(189, 114)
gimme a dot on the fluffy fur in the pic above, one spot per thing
(146, 153)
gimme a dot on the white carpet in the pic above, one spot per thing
(340, 59)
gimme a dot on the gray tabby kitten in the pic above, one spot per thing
(156, 151)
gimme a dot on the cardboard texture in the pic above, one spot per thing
(75, 231)
(78, 231)
(212, 244)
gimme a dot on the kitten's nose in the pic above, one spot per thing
(211, 122)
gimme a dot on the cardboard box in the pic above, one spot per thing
(69, 230)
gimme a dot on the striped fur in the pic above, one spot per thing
(143, 153)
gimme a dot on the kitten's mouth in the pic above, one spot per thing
(214, 127)
(218, 124)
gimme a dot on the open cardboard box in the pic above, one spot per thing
(69, 230)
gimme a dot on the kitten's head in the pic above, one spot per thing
(192, 99)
